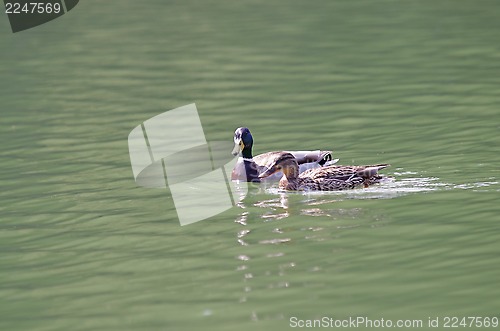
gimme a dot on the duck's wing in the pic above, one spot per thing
(319, 157)
(265, 160)
(338, 172)
(333, 178)
(302, 157)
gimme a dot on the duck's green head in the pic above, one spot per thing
(243, 141)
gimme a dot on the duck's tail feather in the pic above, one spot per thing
(372, 170)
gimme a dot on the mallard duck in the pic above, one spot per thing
(329, 178)
(249, 167)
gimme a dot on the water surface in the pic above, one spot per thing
(414, 85)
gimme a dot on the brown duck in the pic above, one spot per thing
(329, 178)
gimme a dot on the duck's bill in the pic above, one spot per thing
(238, 147)
(268, 172)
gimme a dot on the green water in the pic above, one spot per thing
(414, 84)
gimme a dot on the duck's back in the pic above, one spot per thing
(337, 177)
